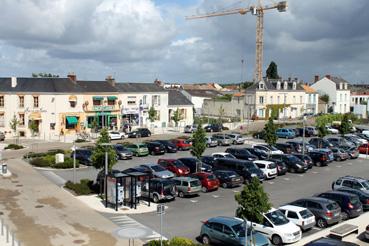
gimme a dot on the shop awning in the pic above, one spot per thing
(35, 116)
(73, 99)
(72, 120)
(112, 98)
(98, 98)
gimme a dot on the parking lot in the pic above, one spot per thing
(183, 216)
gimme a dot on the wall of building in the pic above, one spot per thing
(311, 103)
(186, 114)
(232, 109)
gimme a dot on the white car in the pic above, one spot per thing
(278, 228)
(269, 168)
(113, 135)
(332, 130)
(268, 149)
(223, 155)
(301, 217)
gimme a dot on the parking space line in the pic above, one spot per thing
(315, 172)
(301, 175)
(215, 196)
(271, 182)
(193, 201)
(350, 164)
(339, 166)
(286, 179)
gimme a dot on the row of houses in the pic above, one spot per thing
(54, 107)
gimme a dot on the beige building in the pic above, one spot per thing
(235, 108)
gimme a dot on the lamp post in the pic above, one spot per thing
(74, 161)
(303, 135)
(106, 171)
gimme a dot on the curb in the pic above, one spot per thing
(57, 169)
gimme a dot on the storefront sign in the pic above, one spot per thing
(130, 111)
(103, 108)
(36, 110)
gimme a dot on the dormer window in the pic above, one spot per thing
(278, 85)
(341, 86)
(294, 86)
(285, 85)
(345, 86)
(261, 86)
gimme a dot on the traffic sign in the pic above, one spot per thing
(160, 209)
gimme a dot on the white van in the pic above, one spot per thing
(269, 168)
(302, 217)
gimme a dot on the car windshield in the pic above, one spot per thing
(211, 177)
(141, 146)
(157, 168)
(332, 206)
(354, 201)
(186, 141)
(178, 163)
(119, 147)
(229, 156)
(293, 158)
(272, 148)
(85, 152)
(365, 184)
(195, 183)
(306, 214)
(251, 166)
(239, 229)
(277, 218)
(272, 166)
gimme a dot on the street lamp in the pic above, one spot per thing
(74, 161)
(106, 171)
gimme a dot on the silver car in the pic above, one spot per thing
(211, 142)
(236, 138)
(157, 171)
(222, 139)
(190, 128)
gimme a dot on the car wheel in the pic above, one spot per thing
(152, 153)
(180, 194)
(155, 198)
(205, 239)
(204, 189)
(276, 240)
(207, 145)
(319, 164)
(136, 154)
(338, 159)
(149, 134)
(321, 223)
(224, 185)
(234, 142)
(211, 130)
(344, 216)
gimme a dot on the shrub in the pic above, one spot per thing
(68, 163)
(176, 241)
(55, 151)
(14, 146)
(80, 140)
(82, 188)
(34, 155)
(39, 162)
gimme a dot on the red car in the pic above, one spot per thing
(364, 148)
(208, 181)
(182, 144)
(175, 166)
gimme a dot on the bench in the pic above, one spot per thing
(343, 230)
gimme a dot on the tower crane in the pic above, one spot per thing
(258, 11)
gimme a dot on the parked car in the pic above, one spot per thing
(155, 148)
(187, 186)
(301, 217)
(83, 156)
(363, 136)
(158, 189)
(229, 231)
(363, 196)
(357, 138)
(170, 147)
(190, 128)
(366, 233)
(356, 183)
(2, 136)
(114, 135)
(320, 143)
(139, 149)
(207, 159)
(305, 158)
(269, 168)
(350, 204)
(311, 130)
(246, 169)
(285, 133)
(259, 135)
(157, 171)
(339, 154)
(353, 139)
(268, 149)
(182, 144)
(319, 158)
(331, 130)
(211, 142)
(139, 133)
(285, 147)
(278, 228)
(175, 166)
(364, 149)
(208, 181)
(236, 138)
(223, 155)
(298, 146)
(222, 139)
(195, 165)
(328, 152)
(353, 152)
(213, 128)
(338, 141)
(122, 152)
(242, 154)
(282, 169)
(293, 163)
(327, 241)
(259, 153)
(228, 178)
(327, 212)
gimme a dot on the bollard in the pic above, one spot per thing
(2, 227)
(7, 234)
(13, 241)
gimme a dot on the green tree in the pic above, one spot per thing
(221, 113)
(98, 154)
(33, 126)
(44, 75)
(324, 98)
(14, 123)
(152, 114)
(322, 131)
(345, 125)
(199, 141)
(270, 129)
(176, 117)
(272, 71)
(252, 201)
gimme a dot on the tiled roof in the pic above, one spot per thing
(204, 93)
(96, 86)
(308, 89)
(138, 87)
(177, 98)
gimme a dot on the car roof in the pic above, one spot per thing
(324, 241)
(337, 192)
(149, 165)
(263, 162)
(229, 221)
(184, 178)
(354, 178)
(292, 208)
(317, 199)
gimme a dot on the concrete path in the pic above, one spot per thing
(40, 213)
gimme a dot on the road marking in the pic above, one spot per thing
(215, 196)
(193, 201)
(339, 166)
(236, 191)
(315, 172)
(317, 228)
(286, 179)
(350, 164)
(301, 175)
(270, 182)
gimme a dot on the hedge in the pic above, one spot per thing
(85, 187)
(49, 161)
(14, 146)
(176, 241)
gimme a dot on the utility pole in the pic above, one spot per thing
(74, 162)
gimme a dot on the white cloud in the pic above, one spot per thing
(187, 41)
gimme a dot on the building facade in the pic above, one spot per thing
(311, 100)
(197, 98)
(235, 108)
(177, 101)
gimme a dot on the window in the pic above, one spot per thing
(144, 99)
(217, 227)
(285, 85)
(35, 102)
(21, 101)
(292, 215)
(157, 115)
(294, 86)
(345, 86)
(2, 120)
(261, 85)
(111, 102)
(278, 99)
(271, 99)
(97, 102)
(340, 97)
(156, 100)
(21, 119)
(227, 230)
(345, 97)
(261, 100)
(278, 85)
(131, 100)
(1, 101)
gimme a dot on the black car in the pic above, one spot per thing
(320, 143)
(170, 147)
(319, 158)
(83, 156)
(228, 179)
(122, 152)
(194, 164)
(305, 158)
(207, 159)
(139, 132)
(298, 146)
(155, 148)
(260, 154)
(326, 241)
(350, 204)
(293, 163)
(246, 169)
(158, 189)
(259, 135)
(213, 128)
(281, 167)
(363, 196)
(285, 147)
(242, 154)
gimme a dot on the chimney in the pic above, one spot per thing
(328, 76)
(110, 80)
(289, 79)
(73, 77)
(316, 78)
(296, 79)
(14, 82)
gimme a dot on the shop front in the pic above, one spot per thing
(131, 116)
(71, 123)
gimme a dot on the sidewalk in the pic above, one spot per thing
(40, 213)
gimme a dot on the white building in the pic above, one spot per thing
(178, 101)
(311, 100)
(337, 90)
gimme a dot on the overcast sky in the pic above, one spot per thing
(141, 40)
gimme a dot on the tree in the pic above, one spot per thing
(176, 117)
(152, 114)
(98, 154)
(199, 141)
(33, 126)
(270, 137)
(322, 131)
(14, 123)
(324, 98)
(44, 75)
(252, 201)
(272, 71)
(345, 125)
(221, 114)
